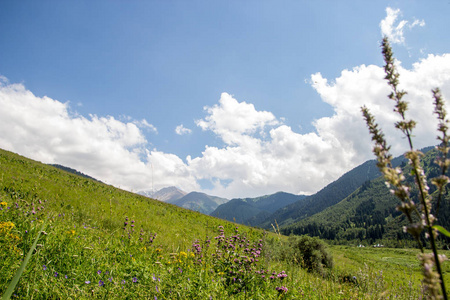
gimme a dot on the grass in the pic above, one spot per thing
(103, 242)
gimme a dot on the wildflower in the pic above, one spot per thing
(282, 289)
(282, 275)
(87, 282)
(110, 279)
(56, 274)
(99, 272)
(135, 279)
(65, 276)
(101, 283)
(44, 267)
(123, 281)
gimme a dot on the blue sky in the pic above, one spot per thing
(265, 94)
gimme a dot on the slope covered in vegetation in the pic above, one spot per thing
(369, 215)
(103, 242)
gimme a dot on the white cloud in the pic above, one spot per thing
(43, 129)
(232, 120)
(144, 124)
(181, 130)
(393, 30)
(260, 154)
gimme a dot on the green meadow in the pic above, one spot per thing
(102, 242)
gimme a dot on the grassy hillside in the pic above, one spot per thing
(103, 242)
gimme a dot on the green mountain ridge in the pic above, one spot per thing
(369, 214)
(251, 211)
(328, 196)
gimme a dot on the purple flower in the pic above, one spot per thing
(99, 272)
(101, 283)
(56, 274)
(157, 289)
(134, 279)
(110, 279)
(87, 282)
(282, 289)
(44, 267)
(123, 281)
(65, 276)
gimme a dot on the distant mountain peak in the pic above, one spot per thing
(166, 194)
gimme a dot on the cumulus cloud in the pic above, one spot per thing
(260, 154)
(393, 30)
(44, 129)
(303, 163)
(233, 120)
(181, 130)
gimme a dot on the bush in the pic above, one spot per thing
(309, 252)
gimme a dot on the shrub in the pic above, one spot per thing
(309, 252)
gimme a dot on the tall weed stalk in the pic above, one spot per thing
(418, 214)
(16, 278)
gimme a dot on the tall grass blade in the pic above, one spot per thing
(15, 280)
(442, 230)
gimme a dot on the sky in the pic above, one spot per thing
(230, 98)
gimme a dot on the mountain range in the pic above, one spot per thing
(252, 211)
(356, 207)
(165, 194)
(195, 201)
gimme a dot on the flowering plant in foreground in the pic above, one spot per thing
(418, 214)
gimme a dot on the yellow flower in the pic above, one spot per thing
(158, 250)
(6, 226)
(4, 203)
(72, 232)
(183, 254)
(191, 254)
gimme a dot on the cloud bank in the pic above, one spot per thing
(260, 153)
